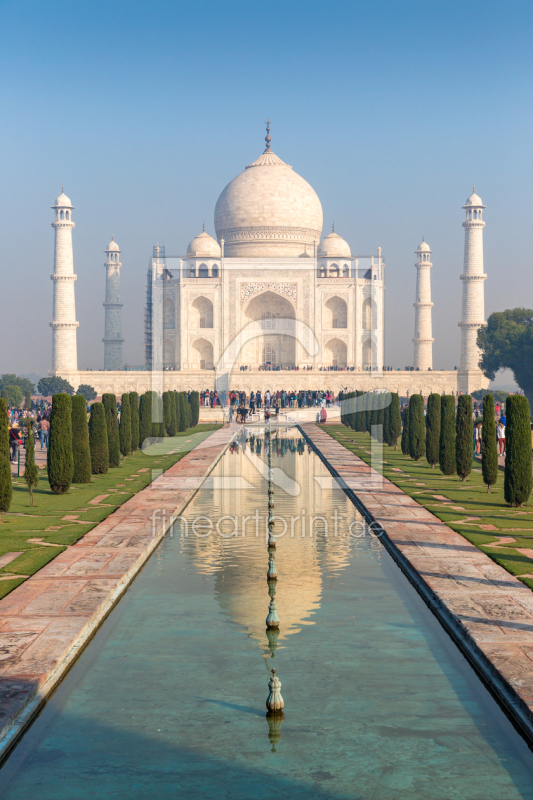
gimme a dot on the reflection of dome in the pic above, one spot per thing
(474, 200)
(63, 200)
(268, 210)
(204, 246)
(333, 246)
(112, 246)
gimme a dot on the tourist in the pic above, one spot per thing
(500, 436)
(477, 437)
(14, 441)
(43, 429)
(267, 398)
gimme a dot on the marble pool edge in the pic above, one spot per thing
(496, 673)
(30, 706)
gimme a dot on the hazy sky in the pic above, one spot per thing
(145, 111)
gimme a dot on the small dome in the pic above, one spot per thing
(63, 201)
(333, 246)
(204, 246)
(112, 246)
(474, 200)
(423, 247)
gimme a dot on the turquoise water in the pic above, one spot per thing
(168, 700)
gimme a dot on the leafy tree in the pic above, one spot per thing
(54, 385)
(417, 427)
(10, 379)
(31, 470)
(145, 417)
(27, 401)
(80, 441)
(499, 395)
(447, 435)
(5, 462)
(195, 408)
(12, 395)
(182, 421)
(433, 430)
(507, 343)
(464, 436)
(134, 413)
(86, 391)
(518, 475)
(110, 404)
(404, 443)
(395, 420)
(125, 426)
(60, 459)
(489, 445)
(98, 440)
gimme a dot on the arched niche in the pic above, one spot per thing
(335, 313)
(369, 354)
(370, 314)
(168, 353)
(203, 354)
(169, 313)
(275, 316)
(201, 314)
(335, 353)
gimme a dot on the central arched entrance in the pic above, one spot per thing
(274, 345)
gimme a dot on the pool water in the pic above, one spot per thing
(168, 700)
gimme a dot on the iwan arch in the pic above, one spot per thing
(270, 269)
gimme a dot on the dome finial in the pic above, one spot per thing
(333, 227)
(268, 138)
(474, 189)
(203, 227)
(423, 238)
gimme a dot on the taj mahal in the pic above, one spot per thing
(270, 292)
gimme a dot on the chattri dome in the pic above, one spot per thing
(204, 246)
(268, 210)
(423, 247)
(334, 246)
(474, 200)
(62, 201)
(112, 246)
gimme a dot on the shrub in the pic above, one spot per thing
(110, 405)
(517, 477)
(6, 489)
(124, 433)
(433, 430)
(134, 414)
(60, 459)
(98, 440)
(81, 452)
(447, 435)
(404, 443)
(31, 470)
(145, 417)
(395, 420)
(417, 427)
(87, 391)
(489, 445)
(464, 436)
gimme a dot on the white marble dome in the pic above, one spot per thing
(63, 201)
(204, 246)
(423, 247)
(474, 200)
(112, 246)
(268, 210)
(334, 246)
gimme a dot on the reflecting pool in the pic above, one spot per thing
(168, 700)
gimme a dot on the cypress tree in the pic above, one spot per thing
(343, 416)
(489, 445)
(361, 416)
(353, 415)
(167, 412)
(81, 453)
(110, 404)
(27, 403)
(517, 476)
(464, 436)
(386, 421)
(395, 420)
(173, 427)
(447, 435)
(404, 444)
(182, 421)
(145, 417)
(417, 427)
(60, 459)
(98, 440)
(134, 414)
(6, 488)
(124, 433)
(374, 415)
(158, 428)
(31, 470)
(433, 430)
(189, 411)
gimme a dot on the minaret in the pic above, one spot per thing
(64, 347)
(113, 322)
(473, 277)
(423, 339)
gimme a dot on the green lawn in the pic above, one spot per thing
(42, 532)
(470, 510)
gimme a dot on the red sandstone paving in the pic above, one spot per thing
(494, 609)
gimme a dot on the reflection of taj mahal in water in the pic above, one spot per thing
(302, 300)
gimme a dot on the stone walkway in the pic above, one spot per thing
(47, 620)
(487, 611)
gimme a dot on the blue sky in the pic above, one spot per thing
(145, 111)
